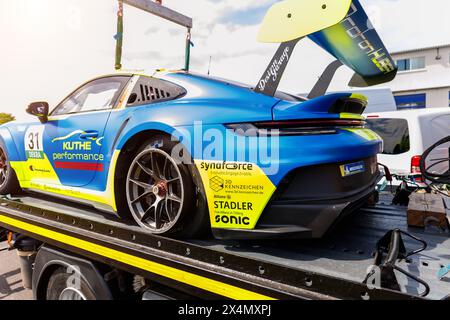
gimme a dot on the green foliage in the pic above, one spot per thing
(6, 117)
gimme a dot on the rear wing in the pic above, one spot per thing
(341, 27)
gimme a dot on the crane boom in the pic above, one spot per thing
(161, 11)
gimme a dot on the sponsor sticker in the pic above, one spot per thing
(353, 168)
(237, 193)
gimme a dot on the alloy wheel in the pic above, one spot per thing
(155, 191)
(3, 168)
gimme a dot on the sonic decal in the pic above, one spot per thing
(237, 193)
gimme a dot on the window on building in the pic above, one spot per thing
(412, 101)
(411, 64)
(449, 98)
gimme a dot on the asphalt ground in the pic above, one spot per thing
(10, 279)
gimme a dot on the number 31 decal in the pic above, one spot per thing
(33, 143)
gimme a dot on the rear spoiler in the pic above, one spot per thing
(341, 27)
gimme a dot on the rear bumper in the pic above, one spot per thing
(312, 220)
(307, 209)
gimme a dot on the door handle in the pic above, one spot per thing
(89, 135)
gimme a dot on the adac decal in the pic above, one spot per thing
(237, 193)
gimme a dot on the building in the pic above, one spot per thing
(423, 79)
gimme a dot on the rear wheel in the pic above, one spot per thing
(8, 179)
(163, 194)
(60, 287)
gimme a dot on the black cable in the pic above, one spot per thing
(430, 178)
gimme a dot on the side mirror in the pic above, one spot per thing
(40, 110)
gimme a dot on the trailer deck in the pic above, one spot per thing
(332, 268)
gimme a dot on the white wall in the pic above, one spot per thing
(435, 75)
(434, 80)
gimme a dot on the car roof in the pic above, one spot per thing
(161, 73)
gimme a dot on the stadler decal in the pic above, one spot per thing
(237, 193)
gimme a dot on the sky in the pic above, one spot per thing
(49, 47)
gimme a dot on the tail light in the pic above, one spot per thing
(298, 127)
(415, 164)
(415, 167)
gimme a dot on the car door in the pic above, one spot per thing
(73, 137)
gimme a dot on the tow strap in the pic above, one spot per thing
(119, 36)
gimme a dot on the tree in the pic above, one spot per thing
(6, 117)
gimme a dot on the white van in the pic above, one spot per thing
(407, 135)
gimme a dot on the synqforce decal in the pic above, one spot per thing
(226, 166)
(237, 193)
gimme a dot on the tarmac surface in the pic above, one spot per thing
(10, 278)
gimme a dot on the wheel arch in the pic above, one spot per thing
(48, 260)
(127, 153)
(7, 140)
(129, 146)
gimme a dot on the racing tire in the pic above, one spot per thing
(9, 184)
(59, 287)
(164, 191)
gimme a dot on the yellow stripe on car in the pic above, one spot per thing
(46, 180)
(352, 116)
(367, 134)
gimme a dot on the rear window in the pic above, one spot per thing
(395, 134)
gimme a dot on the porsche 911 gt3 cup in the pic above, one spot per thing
(182, 154)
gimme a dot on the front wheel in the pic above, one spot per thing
(162, 194)
(8, 179)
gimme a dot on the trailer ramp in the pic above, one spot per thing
(332, 268)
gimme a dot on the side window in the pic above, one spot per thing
(99, 94)
(150, 90)
(395, 134)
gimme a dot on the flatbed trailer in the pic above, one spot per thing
(332, 268)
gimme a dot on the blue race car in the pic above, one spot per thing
(182, 153)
